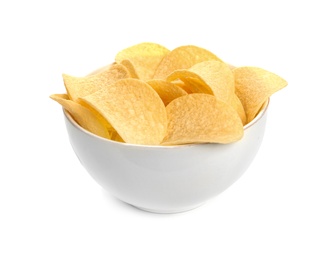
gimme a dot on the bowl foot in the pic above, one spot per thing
(169, 211)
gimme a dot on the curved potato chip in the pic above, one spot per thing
(201, 118)
(254, 86)
(82, 115)
(211, 77)
(60, 96)
(77, 87)
(218, 76)
(182, 57)
(112, 132)
(134, 109)
(166, 90)
(144, 58)
(130, 68)
(193, 83)
(236, 103)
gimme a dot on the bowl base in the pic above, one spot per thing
(170, 211)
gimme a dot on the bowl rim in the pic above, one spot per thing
(259, 115)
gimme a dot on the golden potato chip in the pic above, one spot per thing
(166, 90)
(182, 57)
(59, 96)
(237, 105)
(134, 109)
(112, 132)
(211, 77)
(83, 116)
(201, 118)
(144, 57)
(193, 83)
(77, 87)
(130, 68)
(218, 76)
(254, 86)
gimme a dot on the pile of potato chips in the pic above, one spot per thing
(153, 96)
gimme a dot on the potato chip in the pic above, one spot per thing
(237, 105)
(218, 76)
(130, 68)
(134, 109)
(83, 116)
(69, 106)
(59, 96)
(201, 118)
(144, 57)
(254, 86)
(77, 87)
(193, 83)
(182, 57)
(211, 77)
(112, 132)
(166, 90)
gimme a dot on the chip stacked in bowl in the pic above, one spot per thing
(151, 95)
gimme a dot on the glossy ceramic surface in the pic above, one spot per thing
(165, 179)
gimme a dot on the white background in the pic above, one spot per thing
(281, 208)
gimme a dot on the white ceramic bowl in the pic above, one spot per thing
(165, 179)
